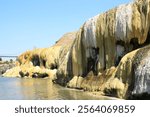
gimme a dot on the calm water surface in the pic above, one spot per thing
(39, 89)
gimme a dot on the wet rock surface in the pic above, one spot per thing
(142, 73)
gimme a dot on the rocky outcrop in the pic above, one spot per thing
(5, 65)
(107, 54)
(104, 39)
(43, 62)
(141, 73)
(132, 71)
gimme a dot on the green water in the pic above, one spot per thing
(39, 89)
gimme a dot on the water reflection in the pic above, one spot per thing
(38, 89)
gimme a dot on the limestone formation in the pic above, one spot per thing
(105, 38)
(141, 72)
(43, 61)
(133, 72)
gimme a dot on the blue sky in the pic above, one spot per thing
(26, 24)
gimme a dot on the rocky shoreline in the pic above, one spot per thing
(5, 65)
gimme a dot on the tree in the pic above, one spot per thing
(11, 60)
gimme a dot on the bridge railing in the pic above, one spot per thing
(8, 56)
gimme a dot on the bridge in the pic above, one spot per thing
(8, 56)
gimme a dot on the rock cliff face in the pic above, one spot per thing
(104, 39)
(5, 65)
(109, 53)
(141, 73)
(40, 62)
